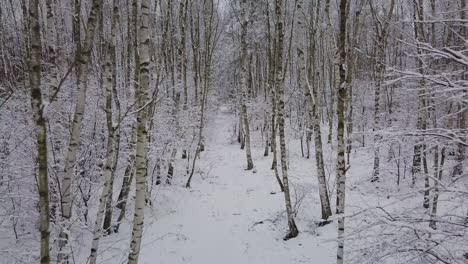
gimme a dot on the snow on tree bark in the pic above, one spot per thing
(311, 95)
(141, 148)
(340, 159)
(293, 231)
(41, 129)
(243, 84)
(111, 157)
(67, 187)
(380, 58)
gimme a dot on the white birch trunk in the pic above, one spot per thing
(272, 89)
(380, 78)
(109, 82)
(41, 130)
(70, 160)
(293, 232)
(340, 164)
(141, 151)
(312, 99)
(108, 165)
(130, 169)
(107, 226)
(243, 84)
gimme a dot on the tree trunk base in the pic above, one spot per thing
(293, 232)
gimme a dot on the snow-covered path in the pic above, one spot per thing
(217, 220)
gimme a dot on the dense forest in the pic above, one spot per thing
(234, 131)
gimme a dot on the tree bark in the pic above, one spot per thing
(41, 130)
(293, 231)
(74, 143)
(111, 157)
(311, 95)
(141, 151)
(127, 182)
(341, 165)
(380, 78)
(243, 84)
(52, 50)
(131, 166)
(108, 165)
(107, 226)
(209, 42)
(421, 148)
(182, 49)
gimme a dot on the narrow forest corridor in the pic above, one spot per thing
(357, 110)
(217, 220)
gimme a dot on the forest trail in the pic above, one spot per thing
(215, 220)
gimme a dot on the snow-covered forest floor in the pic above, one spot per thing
(230, 215)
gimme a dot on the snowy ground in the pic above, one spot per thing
(229, 215)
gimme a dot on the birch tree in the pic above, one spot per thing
(41, 129)
(130, 169)
(420, 149)
(141, 151)
(182, 49)
(279, 97)
(109, 81)
(74, 143)
(243, 83)
(311, 93)
(382, 26)
(272, 88)
(210, 26)
(340, 159)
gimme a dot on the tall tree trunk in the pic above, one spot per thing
(420, 36)
(107, 225)
(463, 107)
(109, 161)
(271, 88)
(195, 40)
(182, 50)
(141, 151)
(293, 231)
(41, 130)
(74, 143)
(352, 61)
(311, 95)
(380, 78)
(205, 74)
(131, 165)
(111, 157)
(340, 164)
(243, 84)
